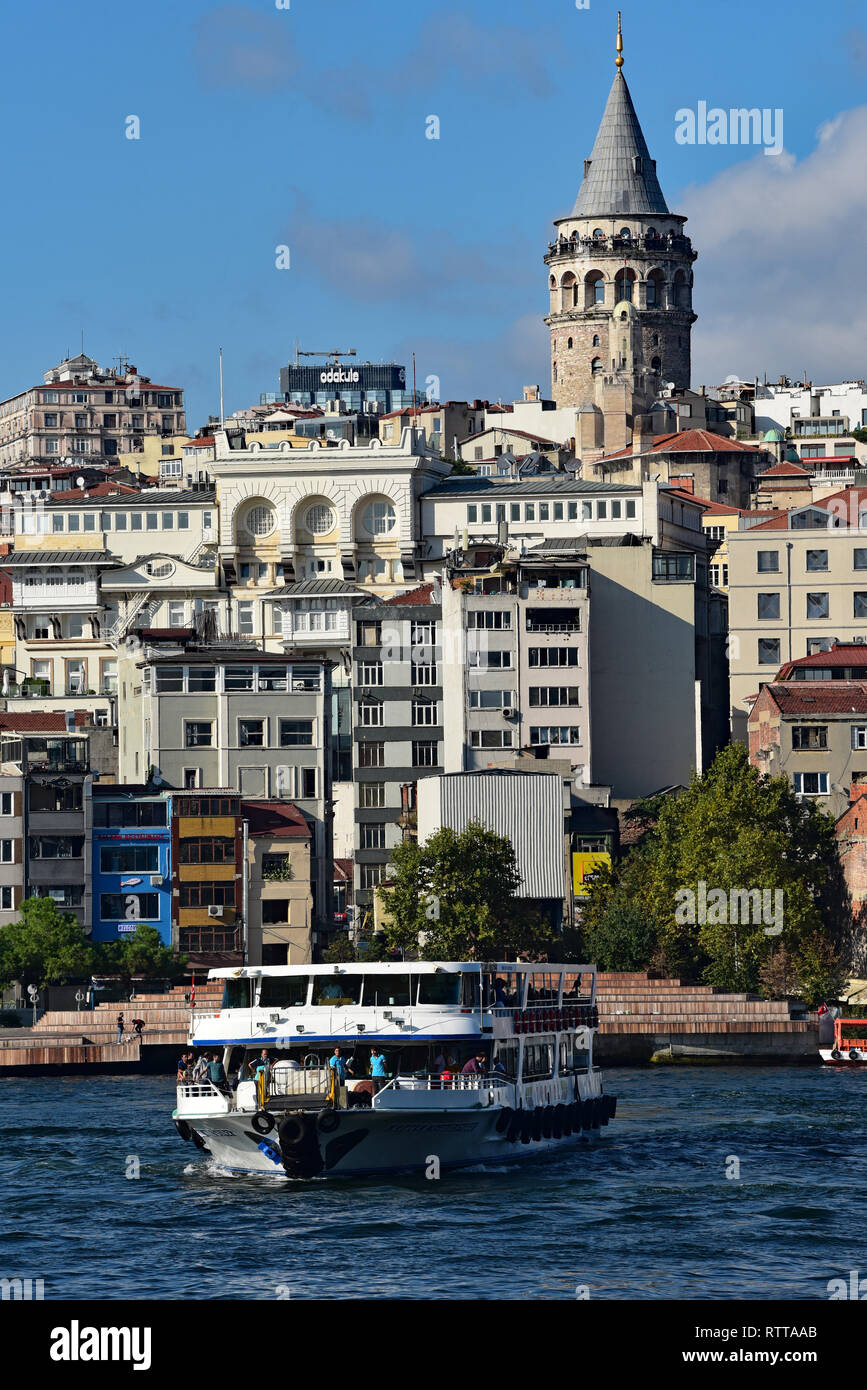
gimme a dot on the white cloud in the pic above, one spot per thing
(780, 271)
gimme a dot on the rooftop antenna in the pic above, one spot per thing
(619, 59)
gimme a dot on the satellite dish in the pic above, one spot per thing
(79, 482)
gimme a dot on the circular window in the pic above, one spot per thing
(319, 519)
(161, 569)
(260, 521)
(379, 518)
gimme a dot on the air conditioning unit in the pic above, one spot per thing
(156, 880)
(214, 911)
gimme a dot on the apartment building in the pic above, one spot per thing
(86, 412)
(815, 734)
(515, 668)
(397, 722)
(12, 886)
(227, 715)
(281, 899)
(127, 860)
(208, 868)
(797, 584)
(445, 426)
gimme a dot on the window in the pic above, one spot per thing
(810, 783)
(514, 511)
(817, 559)
(6, 902)
(424, 753)
(319, 519)
(809, 736)
(207, 895)
(177, 613)
(129, 859)
(202, 680)
(76, 677)
(554, 734)
(817, 606)
(769, 651)
(491, 619)
(5, 803)
(860, 605)
(370, 673)
(371, 875)
(424, 712)
(245, 620)
(296, 733)
(859, 735)
(423, 673)
(553, 656)
(260, 521)
(152, 521)
(490, 661)
(7, 852)
(554, 695)
(371, 755)
(371, 795)
(371, 714)
(768, 561)
(558, 511)
(251, 733)
(129, 907)
(169, 680)
(50, 847)
(369, 634)
(490, 699)
(423, 634)
(490, 738)
(378, 518)
(129, 813)
(672, 565)
(238, 678)
(198, 733)
(768, 606)
(529, 511)
(373, 835)
(472, 509)
(601, 510)
(544, 510)
(719, 576)
(859, 558)
(211, 849)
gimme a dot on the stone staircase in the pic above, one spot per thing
(89, 1037)
(641, 1016)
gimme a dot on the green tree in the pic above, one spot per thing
(45, 946)
(145, 953)
(457, 892)
(339, 949)
(732, 830)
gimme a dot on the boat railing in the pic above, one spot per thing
(195, 1095)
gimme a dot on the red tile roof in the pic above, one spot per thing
(688, 442)
(784, 470)
(845, 499)
(841, 654)
(343, 869)
(802, 698)
(276, 820)
(34, 721)
(206, 440)
(509, 429)
(103, 489)
(718, 508)
(420, 595)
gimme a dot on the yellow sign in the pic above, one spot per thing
(584, 866)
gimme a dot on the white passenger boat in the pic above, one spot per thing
(383, 1068)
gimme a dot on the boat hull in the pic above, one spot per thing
(363, 1141)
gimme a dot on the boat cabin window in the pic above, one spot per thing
(503, 990)
(442, 988)
(575, 987)
(334, 991)
(236, 994)
(507, 1053)
(283, 991)
(469, 991)
(387, 991)
(543, 989)
(538, 1060)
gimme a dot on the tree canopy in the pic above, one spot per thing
(455, 898)
(734, 832)
(47, 946)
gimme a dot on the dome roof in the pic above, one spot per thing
(773, 436)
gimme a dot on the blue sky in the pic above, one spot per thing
(306, 127)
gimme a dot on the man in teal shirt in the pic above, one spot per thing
(338, 1062)
(377, 1068)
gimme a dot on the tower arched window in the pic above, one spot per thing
(554, 373)
(596, 365)
(595, 339)
(625, 233)
(655, 340)
(655, 365)
(594, 289)
(623, 285)
(568, 342)
(598, 234)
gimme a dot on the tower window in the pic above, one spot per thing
(568, 342)
(595, 339)
(656, 340)
(596, 364)
(656, 365)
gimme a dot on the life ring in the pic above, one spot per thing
(329, 1120)
(184, 1130)
(504, 1119)
(263, 1122)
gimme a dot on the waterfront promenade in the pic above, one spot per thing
(641, 1019)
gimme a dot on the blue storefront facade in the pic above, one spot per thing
(131, 870)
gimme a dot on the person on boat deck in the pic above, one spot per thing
(216, 1070)
(475, 1066)
(339, 1062)
(200, 1069)
(182, 1067)
(440, 1063)
(500, 993)
(377, 1069)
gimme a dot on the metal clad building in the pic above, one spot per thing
(525, 807)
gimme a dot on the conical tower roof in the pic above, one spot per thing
(620, 178)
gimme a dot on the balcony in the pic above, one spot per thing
(553, 620)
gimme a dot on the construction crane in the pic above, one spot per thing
(333, 353)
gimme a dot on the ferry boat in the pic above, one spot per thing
(846, 1051)
(381, 1068)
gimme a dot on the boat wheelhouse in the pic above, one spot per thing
(846, 1051)
(359, 1068)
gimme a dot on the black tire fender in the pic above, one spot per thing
(504, 1119)
(184, 1130)
(329, 1121)
(263, 1122)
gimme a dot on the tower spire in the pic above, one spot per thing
(619, 59)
